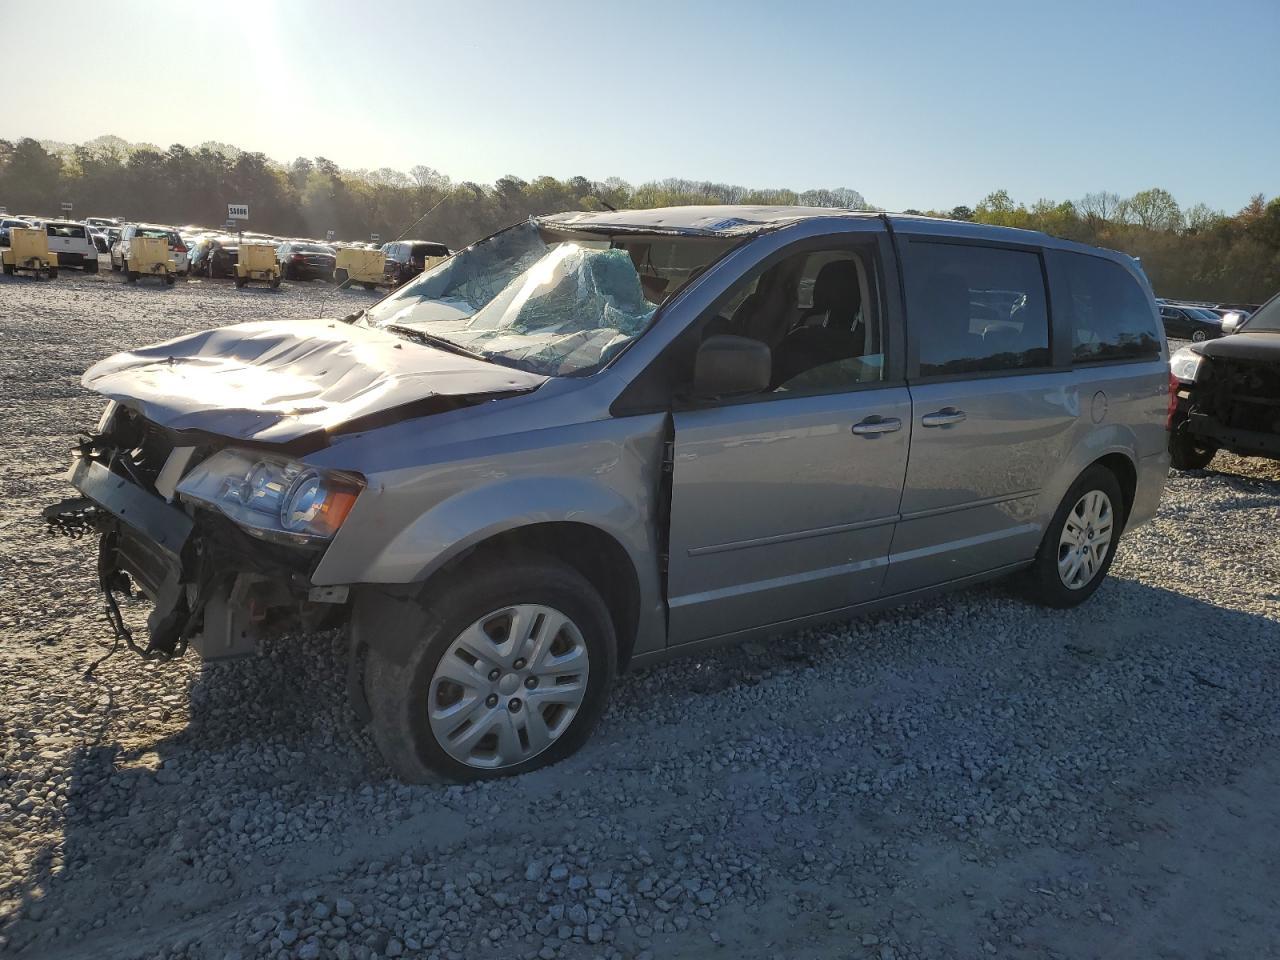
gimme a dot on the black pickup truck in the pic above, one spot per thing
(1228, 394)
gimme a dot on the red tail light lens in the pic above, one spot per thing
(179, 247)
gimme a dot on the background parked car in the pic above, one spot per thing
(6, 224)
(1185, 322)
(215, 257)
(300, 260)
(408, 258)
(177, 248)
(73, 244)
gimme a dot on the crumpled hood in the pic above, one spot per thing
(282, 381)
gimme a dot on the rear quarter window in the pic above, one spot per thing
(1111, 318)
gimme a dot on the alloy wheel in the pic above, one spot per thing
(1086, 537)
(509, 686)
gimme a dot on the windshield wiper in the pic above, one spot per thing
(430, 340)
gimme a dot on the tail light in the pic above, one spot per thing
(297, 256)
(179, 247)
(1174, 384)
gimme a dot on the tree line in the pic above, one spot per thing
(1196, 253)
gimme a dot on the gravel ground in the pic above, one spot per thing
(966, 778)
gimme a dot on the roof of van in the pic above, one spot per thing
(736, 220)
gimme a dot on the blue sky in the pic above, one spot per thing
(915, 104)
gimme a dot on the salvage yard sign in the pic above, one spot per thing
(237, 211)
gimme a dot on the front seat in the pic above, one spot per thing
(829, 330)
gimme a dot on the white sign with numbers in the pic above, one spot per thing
(237, 211)
(66, 206)
(374, 237)
(329, 235)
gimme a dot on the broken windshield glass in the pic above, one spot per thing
(524, 299)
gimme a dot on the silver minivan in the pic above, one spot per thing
(594, 440)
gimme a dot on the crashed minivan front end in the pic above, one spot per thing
(215, 537)
(197, 479)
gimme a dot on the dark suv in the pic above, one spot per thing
(408, 258)
(1228, 395)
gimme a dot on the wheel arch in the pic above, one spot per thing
(1115, 448)
(595, 554)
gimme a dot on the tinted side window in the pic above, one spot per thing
(974, 309)
(1111, 318)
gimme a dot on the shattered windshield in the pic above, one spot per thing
(556, 306)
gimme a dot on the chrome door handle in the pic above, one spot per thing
(874, 426)
(943, 418)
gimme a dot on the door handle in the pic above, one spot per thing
(943, 418)
(874, 426)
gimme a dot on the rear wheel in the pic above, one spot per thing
(340, 277)
(115, 267)
(91, 266)
(8, 269)
(508, 668)
(170, 279)
(368, 286)
(53, 273)
(241, 282)
(1199, 336)
(1080, 541)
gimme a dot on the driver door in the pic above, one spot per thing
(783, 504)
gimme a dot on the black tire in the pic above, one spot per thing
(340, 277)
(1188, 452)
(115, 267)
(275, 283)
(131, 276)
(369, 286)
(1043, 584)
(8, 270)
(91, 266)
(53, 273)
(170, 279)
(398, 692)
(241, 282)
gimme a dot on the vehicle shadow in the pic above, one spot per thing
(200, 809)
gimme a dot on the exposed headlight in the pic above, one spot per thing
(1185, 364)
(271, 497)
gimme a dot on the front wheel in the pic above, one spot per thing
(1188, 452)
(1080, 541)
(505, 667)
(1199, 336)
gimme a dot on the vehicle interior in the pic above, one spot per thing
(817, 313)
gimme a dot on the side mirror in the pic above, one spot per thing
(728, 366)
(1231, 323)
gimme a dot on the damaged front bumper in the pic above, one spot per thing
(212, 586)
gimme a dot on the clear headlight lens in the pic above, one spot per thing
(272, 497)
(1185, 364)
